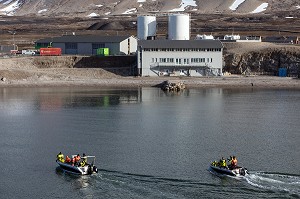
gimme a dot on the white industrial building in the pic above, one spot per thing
(180, 57)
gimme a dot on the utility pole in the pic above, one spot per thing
(13, 34)
(14, 40)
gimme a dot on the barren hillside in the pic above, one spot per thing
(94, 8)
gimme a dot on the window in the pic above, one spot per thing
(162, 60)
(186, 61)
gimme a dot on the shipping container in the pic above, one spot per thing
(50, 51)
(103, 51)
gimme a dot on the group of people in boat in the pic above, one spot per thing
(223, 164)
(74, 161)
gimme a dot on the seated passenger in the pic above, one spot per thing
(60, 157)
(233, 163)
(82, 163)
(73, 161)
(222, 163)
(77, 158)
(68, 159)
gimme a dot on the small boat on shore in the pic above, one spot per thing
(79, 169)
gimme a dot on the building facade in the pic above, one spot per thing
(88, 44)
(179, 58)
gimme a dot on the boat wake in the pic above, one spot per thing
(116, 184)
(275, 182)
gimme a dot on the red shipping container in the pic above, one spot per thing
(50, 51)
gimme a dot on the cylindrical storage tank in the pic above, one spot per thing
(146, 26)
(179, 27)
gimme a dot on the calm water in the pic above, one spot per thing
(149, 144)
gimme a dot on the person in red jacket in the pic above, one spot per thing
(77, 158)
(233, 162)
(68, 159)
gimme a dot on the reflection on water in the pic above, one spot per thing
(22, 100)
(78, 181)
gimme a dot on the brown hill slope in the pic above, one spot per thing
(75, 8)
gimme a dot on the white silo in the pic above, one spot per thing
(146, 26)
(179, 27)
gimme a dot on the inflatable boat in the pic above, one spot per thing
(87, 169)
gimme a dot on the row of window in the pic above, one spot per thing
(182, 60)
(184, 49)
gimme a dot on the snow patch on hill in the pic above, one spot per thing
(11, 8)
(41, 11)
(184, 4)
(93, 15)
(236, 4)
(130, 11)
(261, 8)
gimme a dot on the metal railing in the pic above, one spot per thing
(172, 65)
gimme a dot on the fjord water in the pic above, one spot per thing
(148, 143)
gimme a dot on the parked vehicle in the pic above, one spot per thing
(50, 51)
(28, 52)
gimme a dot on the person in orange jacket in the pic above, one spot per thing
(234, 162)
(77, 158)
(68, 159)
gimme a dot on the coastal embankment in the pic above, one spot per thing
(36, 71)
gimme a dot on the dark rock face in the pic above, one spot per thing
(266, 61)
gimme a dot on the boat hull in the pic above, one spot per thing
(85, 170)
(239, 171)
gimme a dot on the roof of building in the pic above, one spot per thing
(280, 38)
(180, 44)
(84, 39)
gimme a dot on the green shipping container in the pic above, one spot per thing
(103, 51)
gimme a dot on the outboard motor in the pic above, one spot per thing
(95, 169)
(243, 171)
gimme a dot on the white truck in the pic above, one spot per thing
(28, 52)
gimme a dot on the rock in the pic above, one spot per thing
(262, 61)
(3, 79)
(172, 86)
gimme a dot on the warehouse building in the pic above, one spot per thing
(89, 44)
(180, 57)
